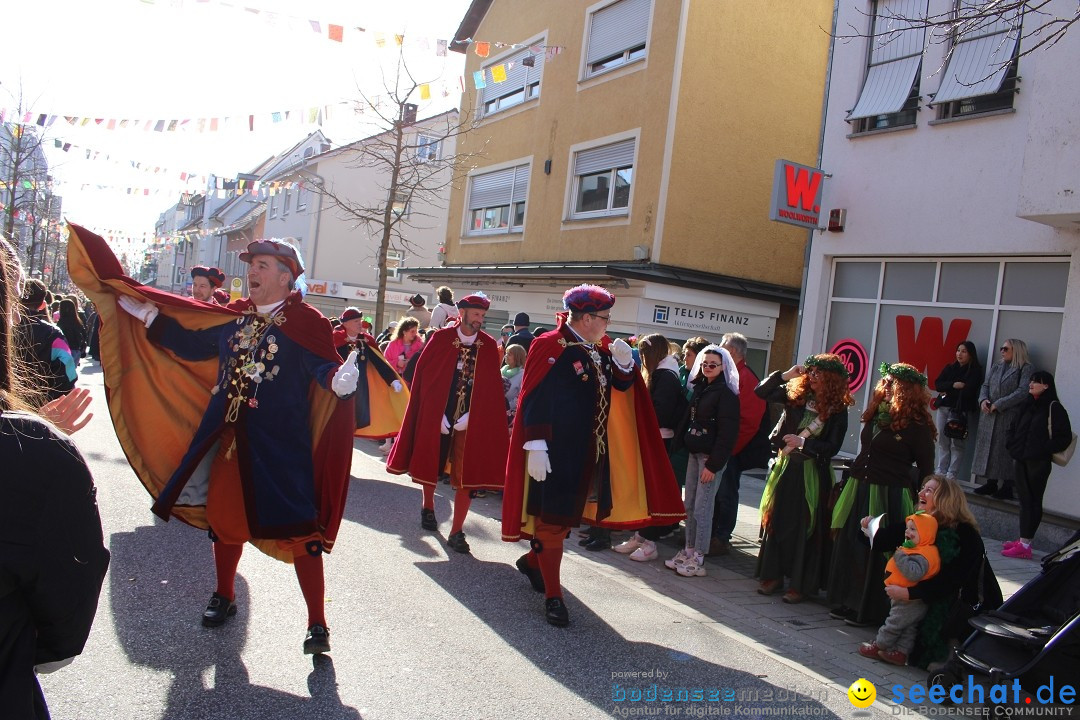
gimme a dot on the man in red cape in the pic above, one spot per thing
(456, 416)
(205, 282)
(585, 445)
(381, 396)
(227, 414)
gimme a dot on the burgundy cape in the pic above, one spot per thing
(157, 400)
(643, 487)
(386, 408)
(416, 449)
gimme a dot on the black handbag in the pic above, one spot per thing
(956, 426)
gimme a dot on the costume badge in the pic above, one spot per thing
(578, 368)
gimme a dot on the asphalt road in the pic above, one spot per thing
(417, 631)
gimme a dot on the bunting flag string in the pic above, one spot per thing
(495, 74)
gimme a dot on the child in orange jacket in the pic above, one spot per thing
(914, 561)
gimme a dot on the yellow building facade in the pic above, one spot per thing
(631, 143)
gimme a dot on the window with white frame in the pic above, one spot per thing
(394, 261)
(602, 180)
(981, 72)
(301, 200)
(427, 148)
(618, 35)
(286, 202)
(511, 81)
(890, 93)
(400, 204)
(497, 201)
(273, 207)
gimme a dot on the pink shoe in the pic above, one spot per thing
(1019, 550)
(1009, 543)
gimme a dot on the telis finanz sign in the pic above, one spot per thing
(796, 195)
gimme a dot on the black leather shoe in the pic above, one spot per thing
(218, 610)
(457, 542)
(536, 578)
(839, 613)
(988, 489)
(317, 641)
(427, 519)
(598, 544)
(1003, 494)
(853, 620)
(556, 613)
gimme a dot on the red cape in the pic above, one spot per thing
(157, 400)
(386, 408)
(643, 486)
(416, 449)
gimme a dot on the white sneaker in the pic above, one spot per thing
(675, 562)
(646, 552)
(693, 567)
(630, 545)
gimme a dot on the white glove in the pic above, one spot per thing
(462, 423)
(397, 386)
(621, 354)
(539, 465)
(345, 379)
(144, 311)
(445, 428)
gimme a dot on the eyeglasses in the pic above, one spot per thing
(712, 365)
(1005, 348)
(605, 318)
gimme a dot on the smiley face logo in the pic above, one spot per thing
(862, 693)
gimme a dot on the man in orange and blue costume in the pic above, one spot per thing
(231, 416)
(585, 446)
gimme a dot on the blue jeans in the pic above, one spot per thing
(726, 507)
(698, 502)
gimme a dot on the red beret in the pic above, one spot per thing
(587, 299)
(350, 313)
(477, 301)
(280, 249)
(213, 274)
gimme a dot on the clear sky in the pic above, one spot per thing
(193, 59)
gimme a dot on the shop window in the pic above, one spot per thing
(857, 279)
(1035, 284)
(909, 281)
(969, 282)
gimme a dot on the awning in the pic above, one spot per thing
(981, 57)
(554, 274)
(895, 57)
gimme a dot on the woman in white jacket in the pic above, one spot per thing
(445, 310)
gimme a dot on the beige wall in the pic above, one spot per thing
(567, 114)
(751, 92)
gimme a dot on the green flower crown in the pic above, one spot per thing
(834, 366)
(902, 372)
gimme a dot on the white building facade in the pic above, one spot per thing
(955, 163)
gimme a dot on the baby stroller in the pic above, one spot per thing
(1033, 635)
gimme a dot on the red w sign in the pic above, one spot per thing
(796, 197)
(930, 350)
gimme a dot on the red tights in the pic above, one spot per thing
(309, 573)
(549, 559)
(462, 501)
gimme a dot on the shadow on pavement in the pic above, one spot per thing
(158, 625)
(589, 657)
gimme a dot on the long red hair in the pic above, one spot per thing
(833, 395)
(910, 402)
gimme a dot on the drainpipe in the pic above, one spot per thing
(821, 148)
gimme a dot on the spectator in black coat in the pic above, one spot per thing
(1031, 443)
(958, 394)
(42, 349)
(72, 326)
(521, 335)
(52, 557)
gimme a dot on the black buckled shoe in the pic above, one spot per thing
(457, 542)
(536, 578)
(427, 519)
(556, 613)
(317, 641)
(218, 610)
(600, 543)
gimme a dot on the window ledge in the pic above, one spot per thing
(881, 131)
(972, 116)
(614, 73)
(495, 237)
(595, 222)
(510, 111)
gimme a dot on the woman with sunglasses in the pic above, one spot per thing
(794, 516)
(1000, 397)
(896, 450)
(710, 429)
